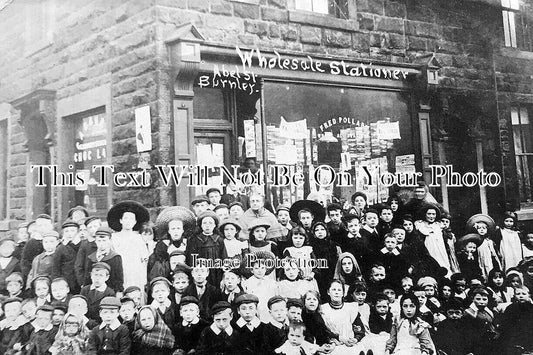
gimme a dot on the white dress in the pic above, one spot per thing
(134, 253)
(510, 248)
(340, 321)
(434, 242)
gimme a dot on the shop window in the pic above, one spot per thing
(40, 22)
(517, 28)
(523, 145)
(343, 128)
(90, 148)
(3, 169)
(338, 8)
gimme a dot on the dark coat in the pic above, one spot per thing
(251, 341)
(209, 247)
(209, 298)
(187, 337)
(516, 325)
(85, 249)
(64, 260)
(32, 248)
(452, 337)
(116, 277)
(93, 300)
(377, 324)
(12, 266)
(221, 344)
(40, 342)
(118, 340)
(273, 337)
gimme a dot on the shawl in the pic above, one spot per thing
(65, 344)
(341, 275)
(159, 336)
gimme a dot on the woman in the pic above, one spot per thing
(151, 335)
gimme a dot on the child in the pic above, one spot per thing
(78, 306)
(395, 264)
(406, 284)
(468, 256)
(180, 281)
(231, 289)
(200, 204)
(200, 288)
(500, 293)
(259, 285)
(316, 327)
(354, 242)
(431, 287)
(517, 322)
(177, 258)
(459, 286)
(219, 337)
(453, 334)
(394, 303)
(135, 294)
(207, 244)
(284, 219)
(376, 279)
(42, 332)
(257, 239)
(230, 229)
(449, 241)
(12, 334)
(128, 313)
(385, 220)
(60, 291)
(249, 327)
(72, 337)
(479, 313)
(409, 334)
(324, 248)
(41, 288)
(488, 259)
(105, 253)
(65, 255)
(29, 309)
(8, 263)
(510, 246)
(291, 284)
(87, 246)
(43, 264)
(152, 336)
(160, 289)
(187, 331)
(359, 296)
(58, 314)
(98, 289)
(147, 232)
(222, 211)
(296, 344)
(275, 333)
(527, 246)
(424, 312)
(14, 285)
(514, 278)
(380, 324)
(110, 337)
(369, 231)
(299, 249)
(347, 269)
(236, 209)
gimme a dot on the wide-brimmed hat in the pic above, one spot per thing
(171, 213)
(205, 214)
(115, 214)
(481, 217)
(230, 220)
(263, 255)
(471, 237)
(316, 209)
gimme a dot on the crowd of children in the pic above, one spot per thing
(239, 278)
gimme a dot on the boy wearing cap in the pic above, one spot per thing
(87, 246)
(200, 204)
(206, 293)
(222, 211)
(15, 285)
(78, 306)
(135, 294)
(42, 332)
(12, 330)
(188, 330)
(213, 195)
(110, 337)
(275, 332)
(481, 317)
(98, 288)
(219, 338)
(8, 263)
(251, 330)
(22, 238)
(160, 292)
(65, 255)
(34, 246)
(180, 282)
(105, 253)
(128, 313)
(284, 219)
(43, 264)
(231, 289)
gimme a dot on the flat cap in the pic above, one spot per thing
(199, 199)
(51, 233)
(246, 298)
(101, 265)
(104, 232)
(69, 223)
(295, 302)
(46, 308)
(188, 299)
(212, 189)
(274, 300)
(110, 302)
(219, 307)
(91, 219)
(160, 279)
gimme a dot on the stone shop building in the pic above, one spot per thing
(361, 86)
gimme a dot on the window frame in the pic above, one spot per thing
(331, 7)
(519, 114)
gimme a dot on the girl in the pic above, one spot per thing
(459, 286)
(527, 246)
(482, 224)
(396, 206)
(292, 285)
(72, 337)
(509, 240)
(257, 239)
(347, 270)
(343, 320)
(359, 204)
(468, 256)
(514, 278)
(230, 229)
(299, 249)
(445, 293)
(409, 334)
(148, 234)
(315, 323)
(323, 248)
(501, 295)
(151, 335)
(449, 240)
(41, 288)
(261, 286)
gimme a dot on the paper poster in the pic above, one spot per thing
(403, 160)
(249, 138)
(286, 154)
(388, 130)
(143, 129)
(346, 162)
(293, 130)
(204, 154)
(218, 154)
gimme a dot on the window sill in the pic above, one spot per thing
(525, 213)
(516, 53)
(323, 20)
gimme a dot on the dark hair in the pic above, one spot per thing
(333, 207)
(148, 227)
(380, 297)
(297, 325)
(297, 230)
(414, 299)
(305, 210)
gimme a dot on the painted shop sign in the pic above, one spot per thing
(338, 121)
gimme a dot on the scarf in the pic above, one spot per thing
(159, 336)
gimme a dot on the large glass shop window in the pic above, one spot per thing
(90, 149)
(343, 128)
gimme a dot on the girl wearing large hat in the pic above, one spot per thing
(431, 232)
(126, 218)
(484, 226)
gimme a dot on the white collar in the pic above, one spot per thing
(194, 321)
(254, 323)
(237, 290)
(217, 331)
(114, 324)
(38, 328)
(371, 230)
(277, 324)
(101, 288)
(165, 304)
(394, 251)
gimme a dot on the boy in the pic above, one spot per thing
(105, 253)
(43, 264)
(22, 238)
(180, 281)
(34, 246)
(60, 291)
(187, 332)
(296, 343)
(305, 219)
(65, 255)
(236, 209)
(200, 204)
(14, 285)
(222, 211)
(8, 263)
(135, 294)
(452, 335)
(385, 220)
(376, 280)
(517, 322)
(369, 230)
(127, 313)
(284, 219)
(58, 313)
(213, 195)
(98, 289)
(359, 294)
(354, 242)
(12, 333)
(87, 246)
(160, 289)
(219, 337)
(78, 306)
(425, 313)
(381, 318)
(336, 229)
(42, 332)
(232, 290)
(275, 332)
(110, 337)
(251, 330)
(395, 264)
(206, 294)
